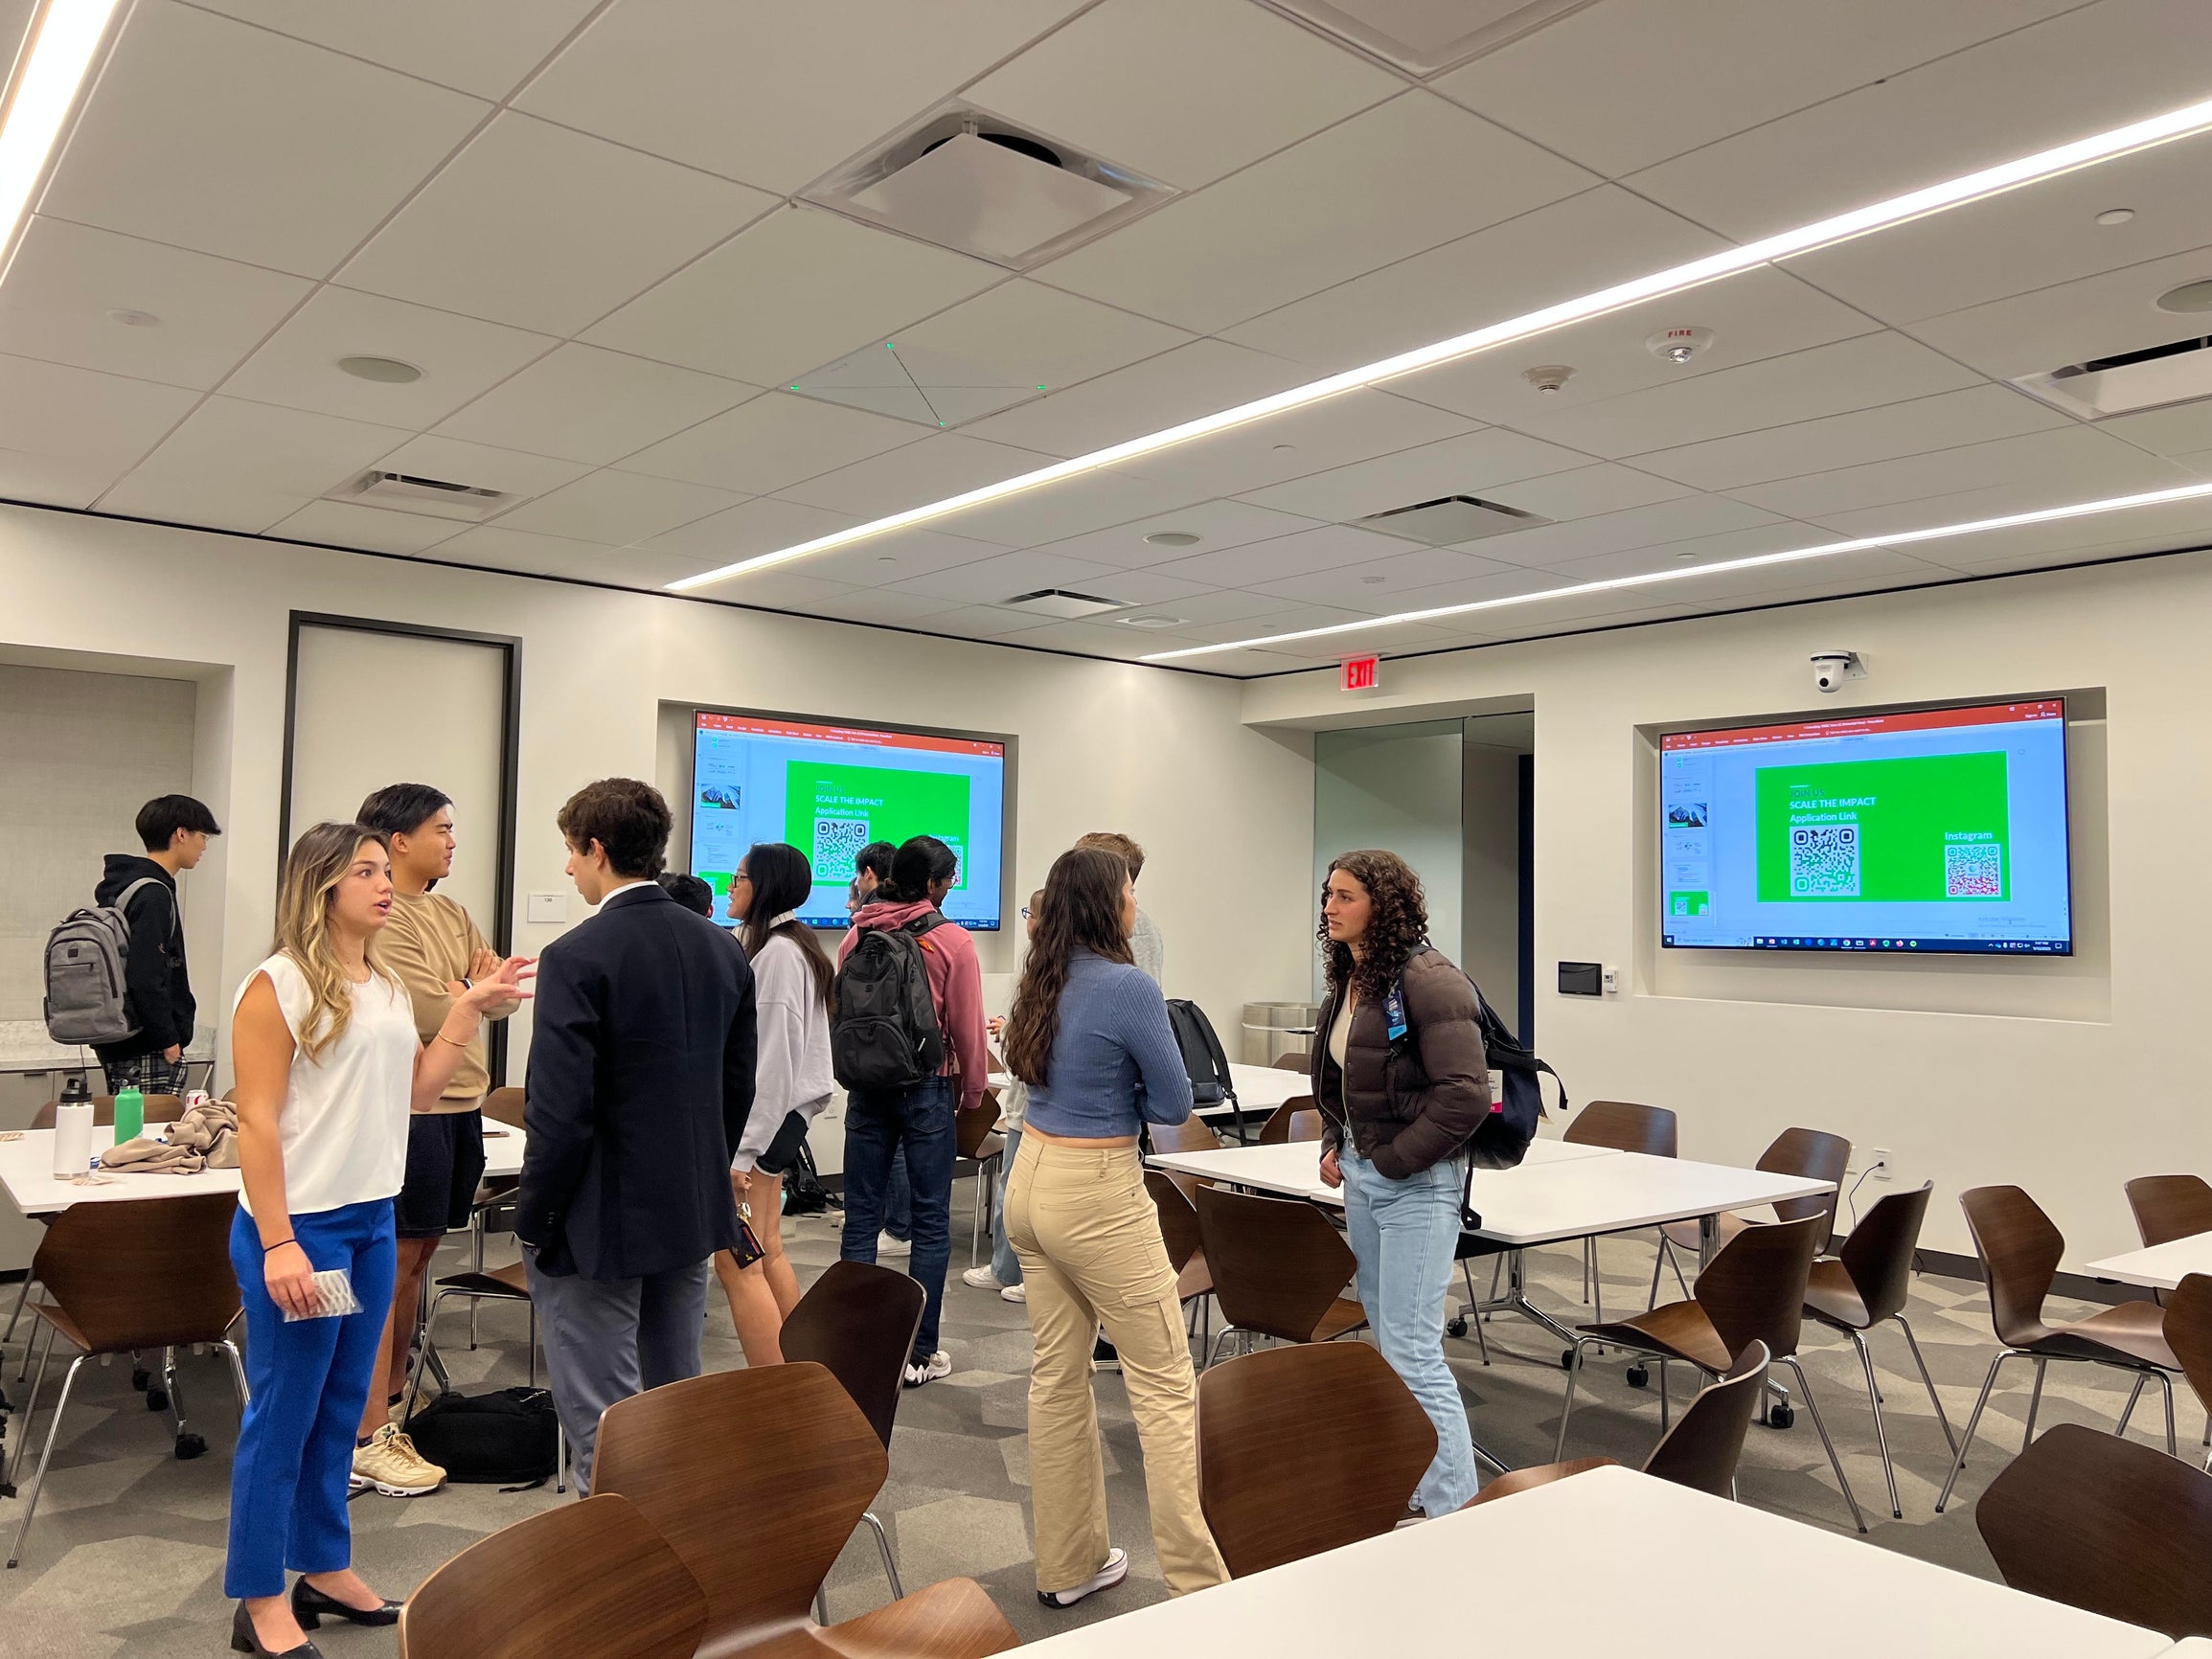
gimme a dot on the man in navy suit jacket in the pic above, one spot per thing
(640, 1079)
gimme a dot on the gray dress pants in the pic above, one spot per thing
(607, 1339)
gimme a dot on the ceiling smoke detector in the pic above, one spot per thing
(1452, 519)
(384, 370)
(1678, 346)
(1056, 601)
(1172, 539)
(1548, 377)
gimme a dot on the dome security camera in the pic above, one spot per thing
(1831, 669)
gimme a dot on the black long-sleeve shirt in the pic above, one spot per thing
(157, 988)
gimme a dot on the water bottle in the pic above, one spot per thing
(129, 1115)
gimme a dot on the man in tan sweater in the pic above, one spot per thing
(435, 950)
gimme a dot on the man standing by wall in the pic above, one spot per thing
(640, 1079)
(157, 990)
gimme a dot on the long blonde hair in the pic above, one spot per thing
(318, 862)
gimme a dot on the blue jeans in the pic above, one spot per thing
(1403, 1233)
(880, 1124)
(1005, 1264)
(309, 1382)
(899, 1199)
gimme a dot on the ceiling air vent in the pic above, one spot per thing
(439, 497)
(2150, 379)
(1452, 519)
(965, 178)
(1428, 36)
(1055, 602)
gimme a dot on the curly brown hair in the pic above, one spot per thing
(1397, 927)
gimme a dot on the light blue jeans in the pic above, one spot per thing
(1005, 1264)
(1403, 1233)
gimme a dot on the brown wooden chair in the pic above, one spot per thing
(1812, 1153)
(2104, 1525)
(622, 1592)
(1625, 1127)
(756, 1478)
(2188, 1329)
(2167, 1207)
(1296, 1119)
(978, 1148)
(1186, 1244)
(133, 1276)
(1306, 1449)
(1279, 1268)
(1513, 1480)
(1752, 1291)
(857, 1321)
(1292, 1063)
(2020, 1250)
(1871, 1283)
(1192, 1135)
(159, 1110)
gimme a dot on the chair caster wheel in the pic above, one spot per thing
(157, 1398)
(1566, 1359)
(1456, 1327)
(1781, 1416)
(141, 1377)
(190, 1447)
(1638, 1376)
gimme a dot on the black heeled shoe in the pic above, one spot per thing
(245, 1639)
(310, 1607)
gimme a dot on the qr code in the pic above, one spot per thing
(1974, 870)
(837, 842)
(1824, 862)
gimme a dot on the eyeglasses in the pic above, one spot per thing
(1025, 912)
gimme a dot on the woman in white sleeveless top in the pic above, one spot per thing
(328, 1067)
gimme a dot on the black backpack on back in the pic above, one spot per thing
(1203, 1059)
(1502, 1140)
(885, 1034)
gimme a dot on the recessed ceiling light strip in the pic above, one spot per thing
(1842, 227)
(1719, 567)
(69, 34)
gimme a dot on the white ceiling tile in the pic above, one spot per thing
(545, 228)
(1653, 525)
(1209, 606)
(1023, 333)
(1103, 640)
(481, 466)
(376, 529)
(283, 451)
(1402, 177)
(54, 480)
(774, 440)
(1624, 83)
(489, 547)
(1002, 576)
(1465, 466)
(1287, 618)
(66, 278)
(581, 404)
(2085, 479)
(1834, 577)
(785, 590)
(980, 622)
(2196, 461)
(2142, 529)
(1217, 524)
(1946, 420)
(2034, 238)
(1201, 378)
(617, 508)
(798, 289)
(2100, 316)
(1695, 552)
(1854, 374)
(1184, 90)
(1589, 490)
(207, 500)
(2024, 91)
(1095, 500)
(938, 466)
(881, 559)
(889, 607)
(484, 46)
(213, 135)
(756, 527)
(770, 93)
(1349, 427)
(2180, 431)
(1576, 246)
(1384, 583)
(460, 357)
(99, 420)
(2072, 463)
(1261, 563)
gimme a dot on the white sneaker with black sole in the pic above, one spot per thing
(922, 1371)
(1115, 1570)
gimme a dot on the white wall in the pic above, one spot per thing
(2099, 1075)
(1396, 788)
(1223, 812)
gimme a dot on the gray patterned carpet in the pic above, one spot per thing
(126, 1556)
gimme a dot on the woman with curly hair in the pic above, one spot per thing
(1402, 1083)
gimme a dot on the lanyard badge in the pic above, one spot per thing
(1394, 1010)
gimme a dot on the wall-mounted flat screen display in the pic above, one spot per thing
(830, 790)
(1918, 830)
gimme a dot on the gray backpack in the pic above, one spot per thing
(86, 1000)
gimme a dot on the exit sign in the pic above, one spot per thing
(1362, 673)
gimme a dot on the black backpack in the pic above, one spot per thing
(1203, 1059)
(1502, 1140)
(804, 1194)
(885, 1034)
(507, 1438)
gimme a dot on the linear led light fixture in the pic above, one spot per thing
(1973, 187)
(1684, 572)
(61, 47)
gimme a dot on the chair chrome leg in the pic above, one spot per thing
(238, 1374)
(884, 1543)
(31, 1404)
(1665, 1409)
(2035, 1403)
(2166, 1382)
(38, 1480)
(560, 1457)
(1658, 1262)
(1589, 1249)
(22, 1297)
(1942, 1421)
(1972, 1423)
(1805, 1392)
(476, 1245)
(1567, 1405)
(821, 1608)
(424, 1359)
(175, 1394)
(1881, 1433)
(2142, 1380)
(1674, 1262)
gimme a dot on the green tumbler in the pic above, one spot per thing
(129, 1115)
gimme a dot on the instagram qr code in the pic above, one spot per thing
(1824, 862)
(1974, 870)
(837, 842)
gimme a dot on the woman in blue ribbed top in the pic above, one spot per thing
(1089, 1036)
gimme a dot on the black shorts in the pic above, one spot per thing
(784, 1150)
(445, 1165)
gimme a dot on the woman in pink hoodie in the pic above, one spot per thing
(918, 1117)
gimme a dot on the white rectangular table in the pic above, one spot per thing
(1293, 1168)
(1260, 1090)
(2162, 1266)
(1610, 1559)
(27, 1172)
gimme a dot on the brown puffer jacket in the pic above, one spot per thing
(1418, 1102)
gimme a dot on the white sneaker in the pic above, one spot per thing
(887, 1246)
(982, 1279)
(1014, 1293)
(1115, 1570)
(920, 1372)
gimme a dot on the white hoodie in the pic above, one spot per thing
(793, 1073)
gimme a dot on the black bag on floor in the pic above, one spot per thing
(507, 1438)
(804, 1194)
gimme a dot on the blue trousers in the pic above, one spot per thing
(1403, 1233)
(310, 1382)
(879, 1126)
(899, 1199)
(1005, 1264)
